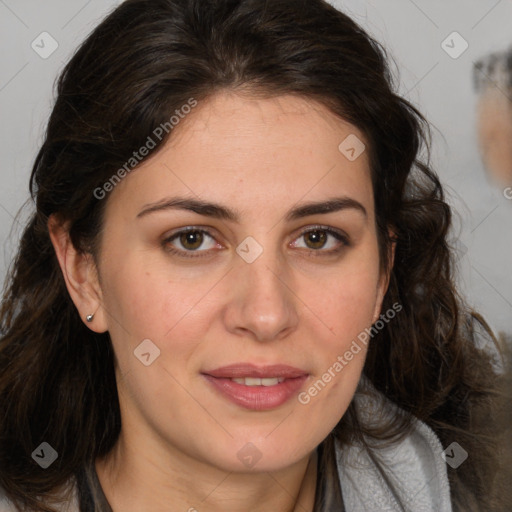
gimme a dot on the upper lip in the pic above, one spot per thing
(239, 370)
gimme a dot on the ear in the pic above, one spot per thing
(80, 274)
(383, 284)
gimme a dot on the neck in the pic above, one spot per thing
(133, 481)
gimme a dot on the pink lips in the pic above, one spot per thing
(257, 398)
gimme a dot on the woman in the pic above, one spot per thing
(236, 292)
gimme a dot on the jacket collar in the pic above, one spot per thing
(415, 476)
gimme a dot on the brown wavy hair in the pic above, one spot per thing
(144, 61)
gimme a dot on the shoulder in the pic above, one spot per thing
(414, 472)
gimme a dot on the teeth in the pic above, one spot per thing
(254, 381)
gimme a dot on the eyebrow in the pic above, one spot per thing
(217, 211)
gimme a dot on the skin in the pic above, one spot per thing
(293, 305)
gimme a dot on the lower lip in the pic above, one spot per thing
(257, 398)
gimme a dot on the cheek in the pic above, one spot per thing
(348, 299)
(349, 316)
(174, 312)
(144, 298)
(347, 307)
(141, 304)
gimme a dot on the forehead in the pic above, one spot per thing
(251, 150)
(297, 127)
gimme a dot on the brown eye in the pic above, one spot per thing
(315, 239)
(191, 240)
(321, 240)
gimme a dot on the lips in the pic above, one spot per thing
(241, 370)
(256, 388)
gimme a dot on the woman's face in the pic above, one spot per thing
(267, 276)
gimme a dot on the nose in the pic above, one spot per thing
(262, 303)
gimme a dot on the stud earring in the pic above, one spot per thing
(89, 318)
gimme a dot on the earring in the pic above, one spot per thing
(89, 318)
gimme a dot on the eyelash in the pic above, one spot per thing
(340, 236)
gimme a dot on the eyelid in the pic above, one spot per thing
(340, 235)
(178, 231)
(321, 227)
(208, 230)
